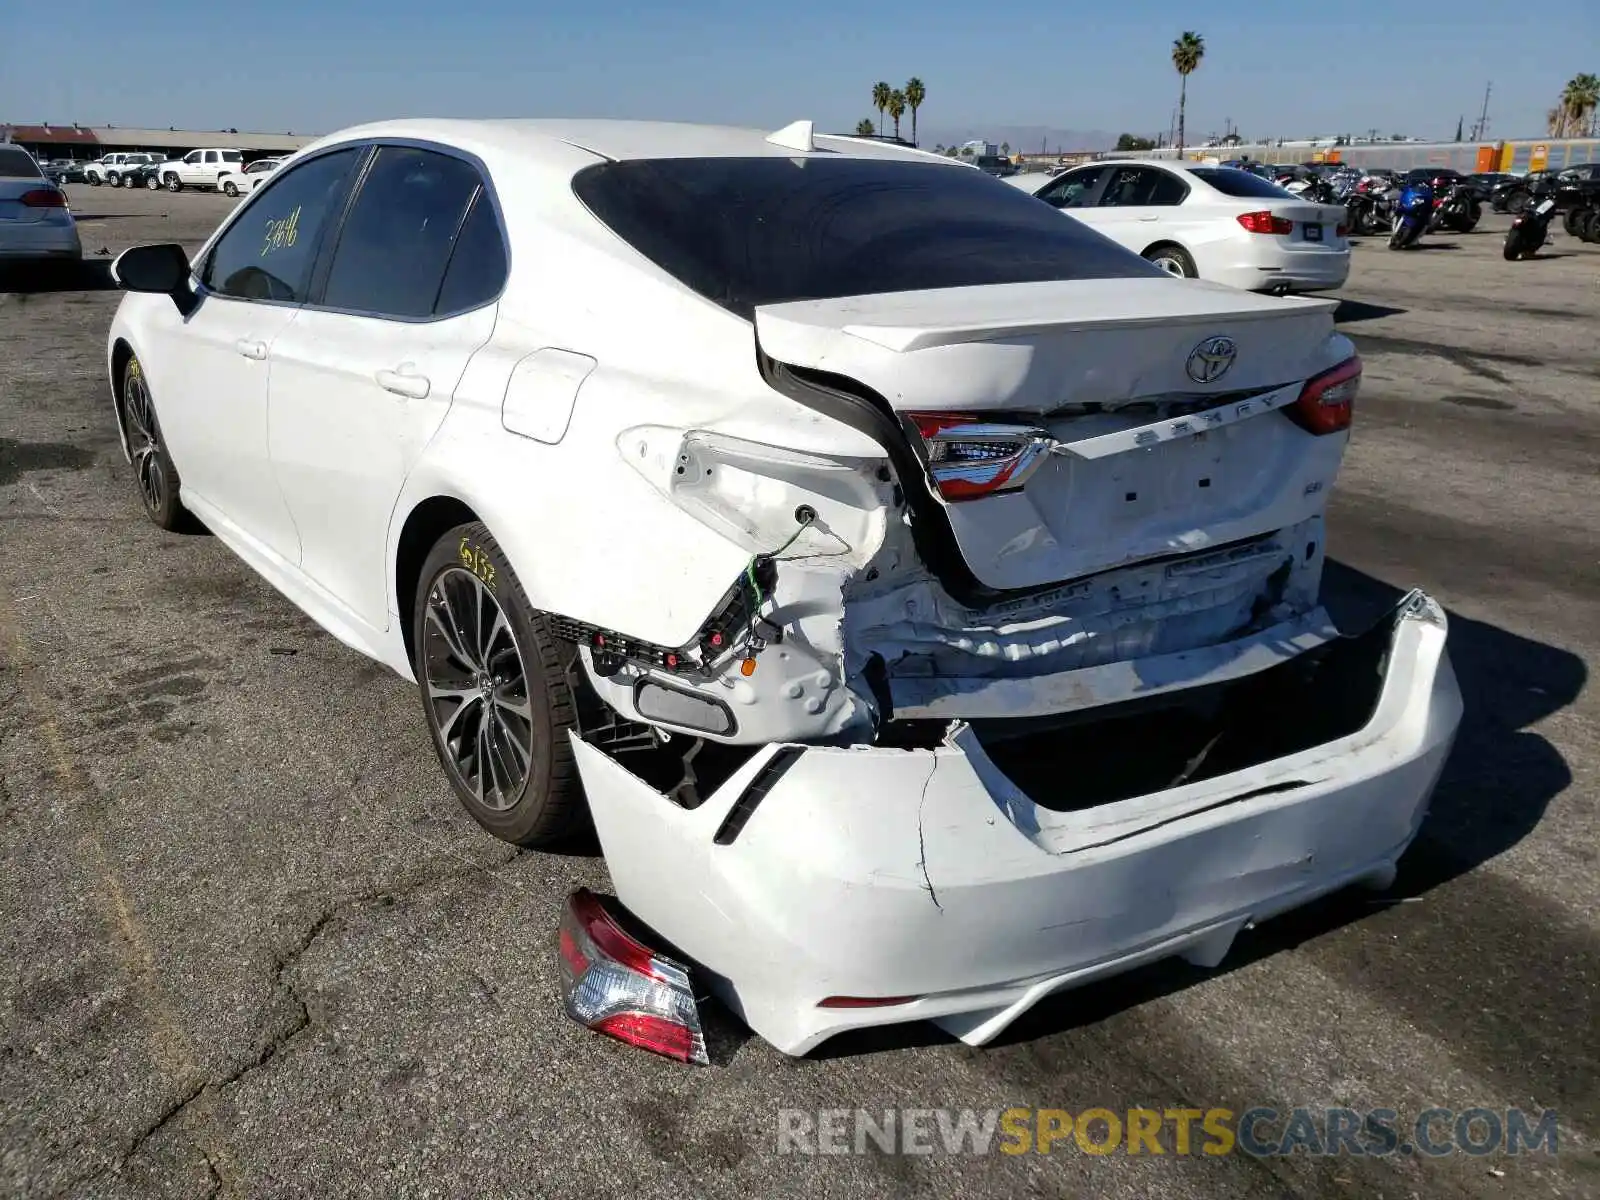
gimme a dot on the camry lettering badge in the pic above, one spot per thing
(1210, 360)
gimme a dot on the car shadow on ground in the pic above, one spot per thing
(91, 274)
(1495, 788)
(1359, 310)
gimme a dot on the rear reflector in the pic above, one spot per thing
(614, 984)
(865, 1001)
(1265, 222)
(969, 458)
(42, 198)
(1326, 403)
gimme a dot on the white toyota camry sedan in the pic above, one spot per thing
(918, 590)
(1206, 222)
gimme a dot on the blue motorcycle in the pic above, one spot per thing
(1412, 213)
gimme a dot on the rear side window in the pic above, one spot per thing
(1242, 184)
(477, 270)
(268, 252)
(745, 232)
(1143, 187)
(232, 156)
(16, 163)
(398, 238)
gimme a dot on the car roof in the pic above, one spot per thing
(620, 140)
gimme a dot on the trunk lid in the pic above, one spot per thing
(1148, 459)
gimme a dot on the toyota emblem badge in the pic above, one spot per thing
(1210, 360)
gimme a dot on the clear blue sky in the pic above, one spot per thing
(1275, 67)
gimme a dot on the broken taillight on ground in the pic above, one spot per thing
(615, 984)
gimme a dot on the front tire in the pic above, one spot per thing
(230, 188)
(494, 692)
(154, 472)
(1516, 202)
(1174, 260)
(174, 184)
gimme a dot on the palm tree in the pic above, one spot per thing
(897, 108)
(1578, 101)
(880, 101)
(916, 93)
(1187, 51)
(864, 127)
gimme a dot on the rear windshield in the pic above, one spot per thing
(1239, 183)
(16, 163)
(744, 232)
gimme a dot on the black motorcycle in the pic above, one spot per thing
(1367, 212)
(1531, 228)
(1457, 209)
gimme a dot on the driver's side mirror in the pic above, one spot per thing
(161, 270)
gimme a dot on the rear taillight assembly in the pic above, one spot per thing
(969, 458)
(1266, 222)
(614, 984)
(1327, 401)
(1343, 230)
(43, 198)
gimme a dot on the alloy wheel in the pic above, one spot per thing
(144, 443)
(476, 683)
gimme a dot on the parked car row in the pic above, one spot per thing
(222, 169)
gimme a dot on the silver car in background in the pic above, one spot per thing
(35, 222)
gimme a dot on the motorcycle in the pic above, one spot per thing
(1318, 191)
(1529, 231)
(1364, 213)
(1413, 211)
(1458, 209)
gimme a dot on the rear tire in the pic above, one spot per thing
(496, 701)
(1516, 202)
(153, 184)
(1174, 260)
(1572, 222)
(155, 474)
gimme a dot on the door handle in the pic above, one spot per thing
(404, 382)
(251, 349)
(1151, 217)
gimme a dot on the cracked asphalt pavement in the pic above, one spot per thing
(250, 945)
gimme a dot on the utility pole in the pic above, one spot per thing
(1482, 127)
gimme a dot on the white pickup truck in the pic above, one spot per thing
(198, 168)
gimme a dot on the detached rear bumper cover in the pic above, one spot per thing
(876, 872)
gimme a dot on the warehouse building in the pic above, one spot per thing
(85, 142)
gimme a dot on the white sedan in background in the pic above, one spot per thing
(919, 591)
(35, 223)
(1206, 222)
(242, 183)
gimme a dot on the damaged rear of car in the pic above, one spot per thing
(1040, 690)
(1028, 681)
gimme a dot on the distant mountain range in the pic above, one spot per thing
(1023, 139)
